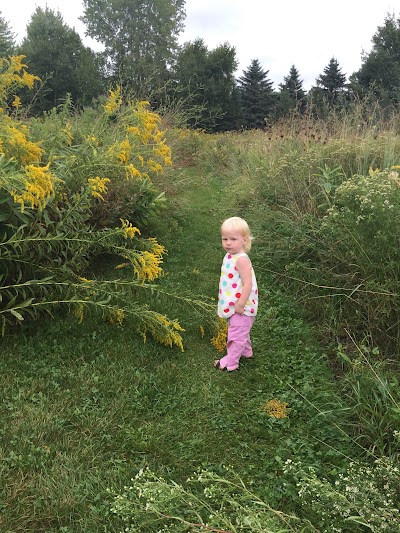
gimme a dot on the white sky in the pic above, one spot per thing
(279, 33)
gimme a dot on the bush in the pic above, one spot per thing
(50, 226)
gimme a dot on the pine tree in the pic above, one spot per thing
(332, 83)
(257, 96)
(292, 95)
(7, 38)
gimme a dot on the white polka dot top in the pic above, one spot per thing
(230, 286)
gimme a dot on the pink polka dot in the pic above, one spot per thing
(256, 291)
(238, 295)
(251, 310)
(220, 291)
(234, 285)
(254, 302)
(235, 268)
(231, 303)
(230, 276)
(226, 310)
(229, 256)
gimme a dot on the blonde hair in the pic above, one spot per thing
(240, 225)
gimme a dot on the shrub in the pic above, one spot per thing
(49, 227)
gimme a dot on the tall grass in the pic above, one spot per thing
(311, 180)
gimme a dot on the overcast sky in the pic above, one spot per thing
(279, 33)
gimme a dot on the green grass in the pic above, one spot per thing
(85, 406)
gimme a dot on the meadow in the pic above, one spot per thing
(113, 417)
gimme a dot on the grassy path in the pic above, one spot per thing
(86, 406)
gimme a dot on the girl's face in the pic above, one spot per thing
(233, 241)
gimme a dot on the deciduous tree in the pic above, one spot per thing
(380, 70)
(140, 38)
(206, 79)
(56, 54)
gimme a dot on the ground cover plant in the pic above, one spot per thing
(105, 432)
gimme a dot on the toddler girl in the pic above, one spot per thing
(238, 293)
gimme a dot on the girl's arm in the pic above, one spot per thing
(244, 268)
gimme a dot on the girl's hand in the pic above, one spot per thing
(239, 309)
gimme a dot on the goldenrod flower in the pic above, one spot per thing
(39, 187)
(68, 133)
(276, 408)
(156, 248)
(154, 167)
(133, 171)
(219, 340)
(17, 102)
(129, 231)
(147, 266)
(124, 153)
(133, 130)
(114, 101)
(98, 187)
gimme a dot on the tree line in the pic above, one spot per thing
(141, 53)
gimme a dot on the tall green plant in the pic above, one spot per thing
(47, 232)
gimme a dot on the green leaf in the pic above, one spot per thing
(16, 314)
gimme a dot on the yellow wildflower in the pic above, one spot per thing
(124, 152)
(134, 130)
(98, 187)
(219, 340)
(39, 186)
(16, 102)
(133, 171)
(154, 167)
(129, 231)
(92, 139)
(276, 408)
(28, 80)
(147, 266)
(68, 134)
(17, 145)
(116, 317)
(156, 248)
(114, 101)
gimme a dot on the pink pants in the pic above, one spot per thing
(238, 343)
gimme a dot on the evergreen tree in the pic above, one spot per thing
(292, 95)
(7, 38)
(257, 96)
(380, 71)
(56, 54)
(140, 38)
(332, 83)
